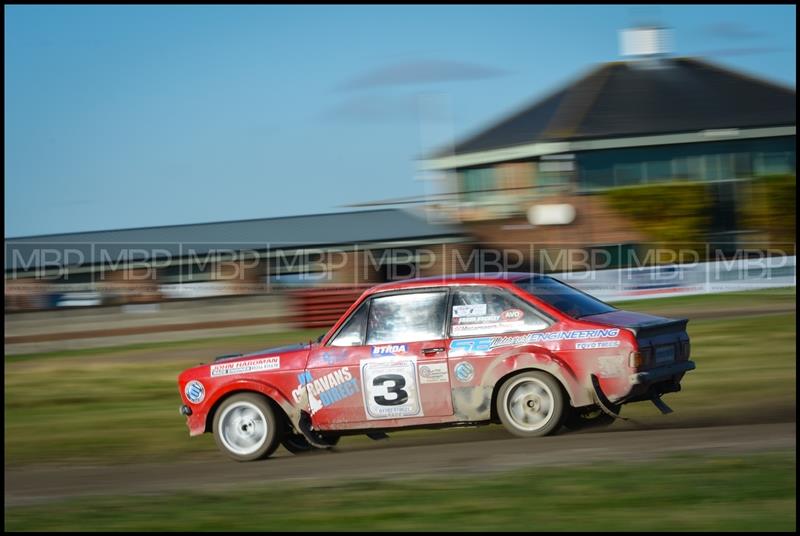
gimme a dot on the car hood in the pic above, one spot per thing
(274, 350)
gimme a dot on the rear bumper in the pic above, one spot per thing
(662, 373)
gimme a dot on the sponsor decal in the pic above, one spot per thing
(251, 365)
(331, 357)
(194, 391)
(477, 319)
(484, 344)
(596, 344)
(468, 329)
(512, 314)
(476, 309)
(465, 346)
(433, 373)
(464, 371)
(325, 390)
(388, 349)
(390, 388)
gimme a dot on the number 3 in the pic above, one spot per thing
(396, 389)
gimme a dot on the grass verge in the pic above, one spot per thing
(754, 492)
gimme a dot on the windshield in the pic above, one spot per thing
(565, 298)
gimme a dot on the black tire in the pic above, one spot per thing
(531, 404)
(591, 417)
(246, 427)
(298, 444)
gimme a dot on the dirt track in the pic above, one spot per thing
(454, 452)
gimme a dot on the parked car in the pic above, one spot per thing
(521, 349)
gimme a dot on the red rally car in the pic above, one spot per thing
(522, 349)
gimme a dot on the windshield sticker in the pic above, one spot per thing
(511, 315)
(241, 367)
(476, 309)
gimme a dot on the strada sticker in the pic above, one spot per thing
(433, 373)
(195, 392)
(388, 349)
(241, 367)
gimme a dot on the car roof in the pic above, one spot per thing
(503, 278)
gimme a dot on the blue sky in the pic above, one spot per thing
(131, 116)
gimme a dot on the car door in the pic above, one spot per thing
(391, 352)
(482, 319)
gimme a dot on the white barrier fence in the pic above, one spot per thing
(686, 279)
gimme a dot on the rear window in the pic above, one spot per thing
(568, 300)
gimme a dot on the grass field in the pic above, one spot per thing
(723, 493)
(120, 405)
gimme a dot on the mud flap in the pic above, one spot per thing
(661, 405)
(312, 436)
(602, 400)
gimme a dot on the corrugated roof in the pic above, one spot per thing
(317, 230)
(628, 99)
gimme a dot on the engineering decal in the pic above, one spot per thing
(484, 344)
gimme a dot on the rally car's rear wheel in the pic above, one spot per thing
(531, 404)
(246, 427)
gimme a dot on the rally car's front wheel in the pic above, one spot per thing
(246, 427)
(531, 404)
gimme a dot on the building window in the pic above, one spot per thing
(475, 182)
(555, 172)
(659, 170)
(774, 163)
(628, 174)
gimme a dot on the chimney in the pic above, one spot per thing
(646, 45)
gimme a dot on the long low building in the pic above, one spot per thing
(223, 258)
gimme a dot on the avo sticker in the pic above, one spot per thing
(512, 314)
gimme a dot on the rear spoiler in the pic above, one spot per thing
(652, 329)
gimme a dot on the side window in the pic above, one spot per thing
(406, 318)
(486, 311)
(353, 329)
